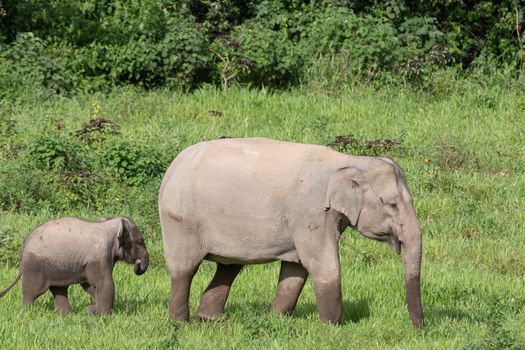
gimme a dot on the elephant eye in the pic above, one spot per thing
(392, 205)
(140, 242)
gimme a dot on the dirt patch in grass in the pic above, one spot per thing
(375, 147)
(453, 155)
(96, 129)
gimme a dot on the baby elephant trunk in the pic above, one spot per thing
(141, 264)
(412, 265)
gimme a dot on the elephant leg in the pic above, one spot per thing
(329, 299)
(61, 300)
(89, 289)
(179, 308)
(104, 296)
(33, 284)
(291, 282)
(214, 297)
(99, 276)
(320, 257)
(183, 254)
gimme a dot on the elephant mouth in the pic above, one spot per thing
(396, 244)
(139, 267)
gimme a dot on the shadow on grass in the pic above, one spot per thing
(353, 311)
(437, 314)
(136, 305)
(122, 304)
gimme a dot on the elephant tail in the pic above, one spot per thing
(4, 292)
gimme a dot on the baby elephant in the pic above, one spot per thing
(66, 251)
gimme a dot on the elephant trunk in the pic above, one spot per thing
(412, 250)
(141, 264)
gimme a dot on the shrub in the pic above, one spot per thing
(135, 165)
(10, 244)
(177, 59)
(54, 152)
(58, 172)
(7, 126)
(257, 55)
(26, 188)
(140, 43)
(350, 47)
(93, 45)
(35, 61)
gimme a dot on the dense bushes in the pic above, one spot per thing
(93, 45)
(136, 42)
(60, 171)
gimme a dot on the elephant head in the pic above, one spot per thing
(375, 199)
(132, 248)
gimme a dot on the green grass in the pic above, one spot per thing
(463, 154)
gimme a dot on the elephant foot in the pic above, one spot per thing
(92, 309)
(61, 301)
(292, 278)
(62, 311)
(283, 307)
(178, 313)
(210, 311)
(95, 310)
(329, 302)
(211, 316)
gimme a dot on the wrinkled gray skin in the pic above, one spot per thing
(66, 251)
(256, 200)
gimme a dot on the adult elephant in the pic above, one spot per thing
(257, 200)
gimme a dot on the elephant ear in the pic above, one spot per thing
(123, 234)
(344, 193)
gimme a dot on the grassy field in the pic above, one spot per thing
(463, 153)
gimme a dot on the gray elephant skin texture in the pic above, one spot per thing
(257, 200)
(66, 251)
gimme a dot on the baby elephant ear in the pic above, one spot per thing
(123, 233)
(344, 193)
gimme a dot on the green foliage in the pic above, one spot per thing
(48, 174)
(61, 170)
(81, 46)
(467, 185)
(53, 152)
(34, 61)
(134, 165)
(367, 44)
(219, 17)
(7, 125)
(482, 29)
(177, 59)
(12, 84)
(10, 245)
(91, 45)
(25, 188)
(265, 56)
